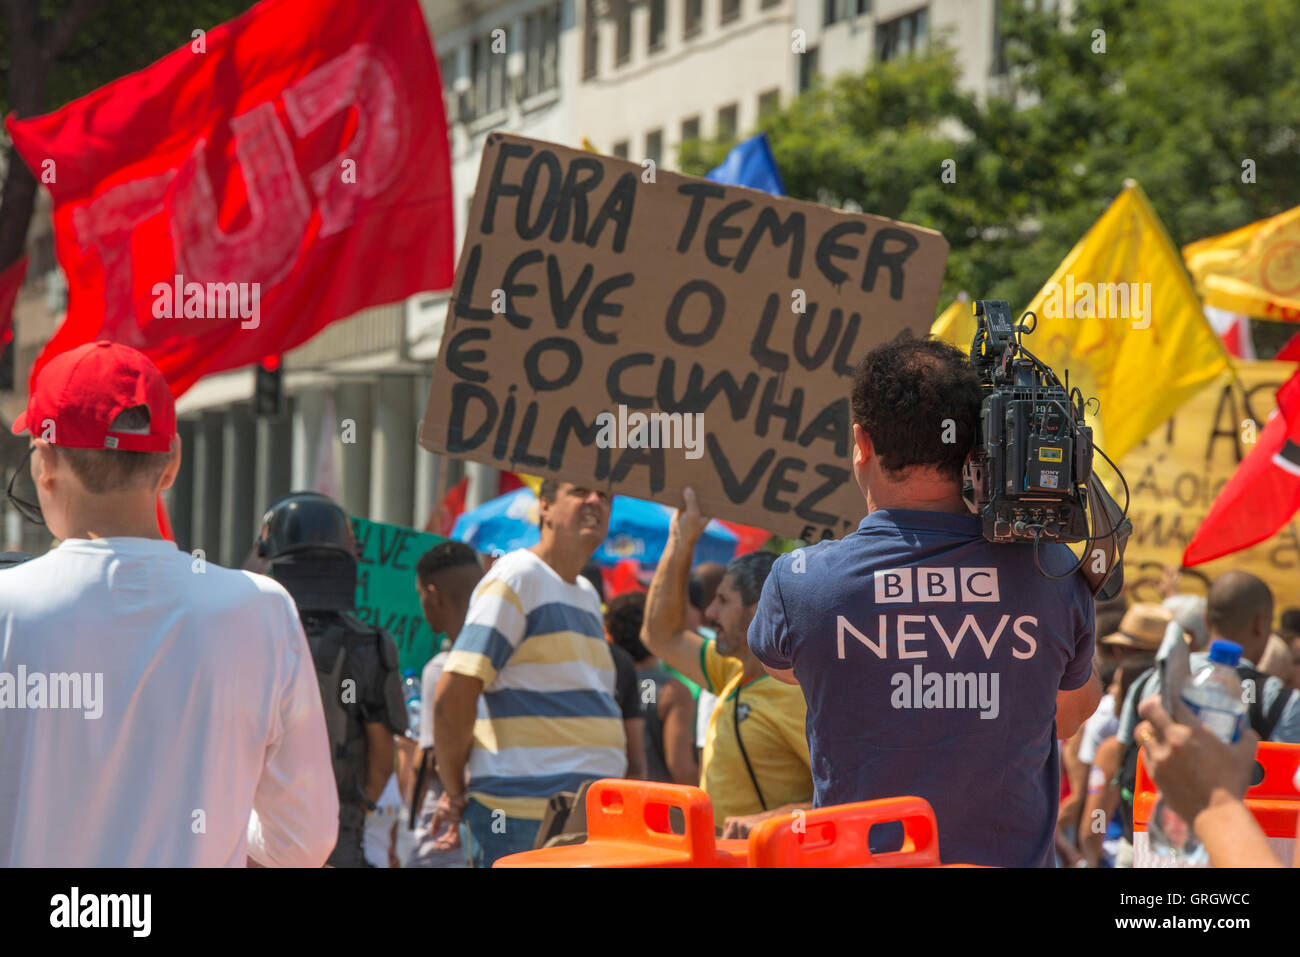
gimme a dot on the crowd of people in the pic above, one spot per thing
(225, 717)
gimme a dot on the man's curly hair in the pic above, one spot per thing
(904, 394)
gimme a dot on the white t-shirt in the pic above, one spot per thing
(190, 731)
(1102, 725)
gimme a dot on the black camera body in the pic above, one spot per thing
(1027, 476)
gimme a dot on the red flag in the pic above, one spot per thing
(1290, 352)
(444, 516)
(1235, 331)
(1264, 491)
(224, 205)
(11, 280)
(749, 538)
(622, 578)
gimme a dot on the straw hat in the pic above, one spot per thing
(1142, 627)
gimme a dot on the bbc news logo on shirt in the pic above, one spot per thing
(924, 584)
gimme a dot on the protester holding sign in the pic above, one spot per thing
(526, 701)
(933, 661)
(755, 761)
(600, 320)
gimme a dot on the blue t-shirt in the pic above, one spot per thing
(930, 660)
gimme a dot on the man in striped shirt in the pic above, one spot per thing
(526, 701)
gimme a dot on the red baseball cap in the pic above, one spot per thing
(83, 390)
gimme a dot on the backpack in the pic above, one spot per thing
(1261, 722)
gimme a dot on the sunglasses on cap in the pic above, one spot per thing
(18, 499)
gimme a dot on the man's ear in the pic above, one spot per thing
(45, 464)
(173, 466)
(863, 450)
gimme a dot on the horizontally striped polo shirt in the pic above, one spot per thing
(547, 719)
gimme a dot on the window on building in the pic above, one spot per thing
(447, 70)
(623, 34)
(807, 68)
(769, 103)
(727, 122)
(764, 4)
(730, 10)
(658, 24)
(654, 146)
(691, 128)
(621, 149)
(590, 41)
(488, 76)
(830, 12)
(902, 36)
(863, 6)
(999, 42)
(694, 20)
(541, 50)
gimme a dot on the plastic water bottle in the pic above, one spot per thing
(411, 693)
(1214, 697)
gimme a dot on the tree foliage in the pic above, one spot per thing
(118, 37)
(1182, 95)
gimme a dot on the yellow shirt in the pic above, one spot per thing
(772, 715)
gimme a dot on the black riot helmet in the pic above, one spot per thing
(307, 538)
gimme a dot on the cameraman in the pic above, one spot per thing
(933, 662)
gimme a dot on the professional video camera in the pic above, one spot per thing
(1029, 476)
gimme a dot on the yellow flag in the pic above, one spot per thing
(1121, 315)
(955, 324)
(534, 482)
(1254, 270)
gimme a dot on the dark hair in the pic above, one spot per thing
(1289, 626)
(591, 572)
(442, 556)
(906, 395)
(1107, 672)
(623, 620)
(1130, 669)
(703, 584)
(113, 470)
(749, 572)
(546, 492)
(1108, 615)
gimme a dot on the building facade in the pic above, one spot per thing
(633, 79)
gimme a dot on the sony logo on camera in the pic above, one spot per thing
(924, 584)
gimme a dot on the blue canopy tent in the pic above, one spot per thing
(637, 529)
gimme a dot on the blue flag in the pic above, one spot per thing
(750, 164)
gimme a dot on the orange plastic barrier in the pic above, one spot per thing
(628, 825)
(837, 836)
(1274, 801)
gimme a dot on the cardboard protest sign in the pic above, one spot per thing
(641, 331)
(1175, 475)
(386, 596)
